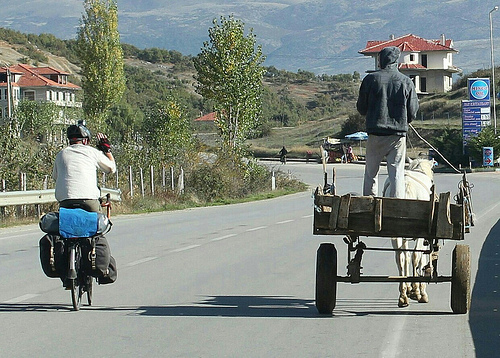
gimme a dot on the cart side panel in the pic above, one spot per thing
(383, 217)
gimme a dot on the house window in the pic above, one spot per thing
(423, 84)
(424, 60)
(412, 77)
(412, 57)
(29, 95)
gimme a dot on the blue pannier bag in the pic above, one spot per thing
(77, 223)
(49, 223)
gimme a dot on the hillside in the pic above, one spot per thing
(321, 106)
(9, 55)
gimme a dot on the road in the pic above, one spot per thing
(238, 281)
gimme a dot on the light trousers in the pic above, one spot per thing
(393, 147)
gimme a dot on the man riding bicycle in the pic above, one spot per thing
(75, 173)
(75, 169)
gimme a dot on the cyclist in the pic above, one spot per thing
(75, 169)
(75, 173)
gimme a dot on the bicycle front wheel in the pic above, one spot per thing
(89, 290)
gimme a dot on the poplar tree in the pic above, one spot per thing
(100, 52)
(229, 73)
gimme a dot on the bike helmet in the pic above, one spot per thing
(78, 131)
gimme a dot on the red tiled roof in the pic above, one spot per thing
(207, 117)
(33, 76)
(408, 43)
(411, 66)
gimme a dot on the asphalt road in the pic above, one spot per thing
(238, 281)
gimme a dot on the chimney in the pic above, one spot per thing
(443, 40)
(391, 37)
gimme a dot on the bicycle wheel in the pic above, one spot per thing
(76, 297)
(89, 290)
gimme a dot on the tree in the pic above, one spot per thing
(229, 72)
(167, 134)
(485, 138)
(354, 123)
(98, 47)
(450, 145)
(33, 119)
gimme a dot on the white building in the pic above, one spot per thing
(42, 84)
(429, 63)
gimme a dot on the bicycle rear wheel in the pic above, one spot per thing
(76, 294)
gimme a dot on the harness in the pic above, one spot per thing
(408, 174)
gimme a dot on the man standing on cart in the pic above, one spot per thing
(389, 101)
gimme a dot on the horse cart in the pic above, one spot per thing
(358, 216)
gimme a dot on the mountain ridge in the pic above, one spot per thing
(320, 36)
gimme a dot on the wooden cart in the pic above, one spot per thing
(355, 216)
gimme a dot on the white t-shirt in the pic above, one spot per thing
(75, 172)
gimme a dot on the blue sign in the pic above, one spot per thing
(479, 88)
(488, 156)
(473, 103)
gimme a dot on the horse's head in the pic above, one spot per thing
(422, 165)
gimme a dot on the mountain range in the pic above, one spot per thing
(321, 36)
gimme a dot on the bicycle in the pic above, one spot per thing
(78, 280)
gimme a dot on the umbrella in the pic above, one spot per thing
(360, 136)
(357, 136)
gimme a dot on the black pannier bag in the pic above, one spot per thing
(53, 259)
(97, 256)
(111, 275)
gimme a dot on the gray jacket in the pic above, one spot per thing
(387, 97)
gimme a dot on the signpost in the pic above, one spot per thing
(476, 112)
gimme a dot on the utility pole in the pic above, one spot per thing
(9, 94)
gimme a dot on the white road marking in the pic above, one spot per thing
(284, 222)
(22, 298)
(223, 237)
(257, 228)
(393, 345)
(141, 261)
(307, 216)
(184, 248)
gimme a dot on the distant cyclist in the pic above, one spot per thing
(75, 169)
(283, 152)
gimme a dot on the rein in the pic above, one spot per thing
(437, 151)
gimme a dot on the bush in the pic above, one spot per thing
(227, 179)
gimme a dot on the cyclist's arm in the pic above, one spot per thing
(107, 162)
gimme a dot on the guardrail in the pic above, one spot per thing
(44, 196)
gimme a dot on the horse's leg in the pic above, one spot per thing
(416, 265)
(420, 264)
(402, 260)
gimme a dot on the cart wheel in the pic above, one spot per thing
(460, 279)
(326, 278)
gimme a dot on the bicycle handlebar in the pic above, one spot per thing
(106, 204)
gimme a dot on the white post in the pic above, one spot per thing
(172, 178)
(131, 185)
(180, 183)
(142, 182)
(273, 182)
(151, 174)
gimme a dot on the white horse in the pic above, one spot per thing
(418, 184)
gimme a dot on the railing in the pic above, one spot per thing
(43, 196)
